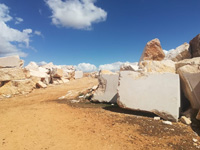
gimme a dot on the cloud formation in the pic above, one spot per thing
(10, 38)
(78, 14)
(112, 67)
(18, 20)
(86, 67)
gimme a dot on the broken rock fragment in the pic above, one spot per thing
(157, 93)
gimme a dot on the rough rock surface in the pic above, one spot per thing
(7, 74)
(107, 88)
(195, 46)
(157, 93)
(10, 62)
(158, 66)
(40, 84)
(153, 51)
(17, 87)
(58, 73)
(180, 53)
(193, 61)
(190, 83)
(129, 66)
(78, 74)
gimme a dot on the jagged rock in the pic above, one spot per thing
(180, 53)
(7, 74)
(193, 61)
(32, 66)
(17, 87)
(107, 88)
(40, 84)
(153, 51)
(195, 46)
(190, 83)
(78, 74)
(11, 62)
(158, 66)
(49, 66)
(157, 93)
(129, 66)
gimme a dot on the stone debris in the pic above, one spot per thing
(78, 74)
(153, 51)
(185, 120)
(167, 122)
(57, 73)
(129, 67)
(156, 118)
(62, 97)
(195, 46)
(107, 88)
(7, 74)
(158, 66)
(190, 84)
(194, 140)
(180, 53)
(11, 62)
(40, 84)
(157, 93)
(75, 101)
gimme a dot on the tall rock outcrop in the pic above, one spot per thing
(153, 51)
(195, 46)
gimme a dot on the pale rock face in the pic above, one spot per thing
(195, 46)
(180, 53)
(35, 73)
(157, 93)
(57, 73)
(129, 66)
(78, 74)
(10, 62)
(193, 61)
(190, 83)
(158, 66)
(106, 72)
(153, 51)
(49, 66)
(68, 71)
(40, 84)
(32, 66)
(17, 87)
(107, 88)
(7, 74)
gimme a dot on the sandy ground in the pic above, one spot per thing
(39, 121)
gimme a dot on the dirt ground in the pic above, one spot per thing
(41, 121)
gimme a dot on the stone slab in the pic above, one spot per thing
(107, 88)
(157, 93)
(7, 74)
(10, 62)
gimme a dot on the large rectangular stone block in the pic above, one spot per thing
(107, 88)
(157, 93)
(7, 74)
(10, 62)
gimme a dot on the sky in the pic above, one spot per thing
(93, 34)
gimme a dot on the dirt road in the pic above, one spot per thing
(39, 121)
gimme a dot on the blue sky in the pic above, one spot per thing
(96, 32)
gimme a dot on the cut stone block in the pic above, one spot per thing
(40, 84)
(10, 62)
(107, 88)
(78, 74)
(190, 83)
(157, 93)
(7, 74)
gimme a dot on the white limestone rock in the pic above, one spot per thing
(7, 74)
(78, 74)
(157, 93)
(11, 62)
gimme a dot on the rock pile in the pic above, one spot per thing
(14, 79)
(155, 83)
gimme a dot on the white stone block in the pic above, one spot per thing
(78, 74)
(157, 93)
(10, 62)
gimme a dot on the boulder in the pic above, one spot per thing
(180, 53)
(78, 74)
(195, 46)
(129, 66)
(7, 74)
(190, 83)
(32, 66)
(107, 88)
(35, 73)
(157, 93)
(17, 87)
(11, 62)
(40, 84)
(193, 61)
(158, 66)
(153, 51)
(57, 73)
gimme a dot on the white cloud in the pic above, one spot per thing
(86, 67)
(18, 20)
(10, 38)
(38, 33)
(112, 67)
(78, 14)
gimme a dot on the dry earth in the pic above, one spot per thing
(39, 121)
